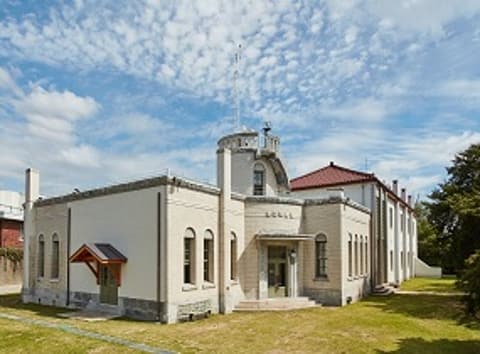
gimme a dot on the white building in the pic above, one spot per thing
(169, 248)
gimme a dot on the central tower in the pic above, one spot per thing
(256, 165)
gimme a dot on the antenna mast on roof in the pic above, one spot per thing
(236, 101)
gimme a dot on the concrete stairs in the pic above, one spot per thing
(276, 304)
(383, 290)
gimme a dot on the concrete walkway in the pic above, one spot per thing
(83, 333)
(412, 292)
(10, 289)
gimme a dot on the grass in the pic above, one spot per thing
(443, 285)
(416, 323)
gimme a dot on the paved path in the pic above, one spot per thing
(10, 289)
(83, 333)
(412, 292)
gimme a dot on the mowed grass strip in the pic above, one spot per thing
(18, 337)
(443, 285)
(417, 323)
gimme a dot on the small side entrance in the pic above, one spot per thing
(108, 286)
(277, 271)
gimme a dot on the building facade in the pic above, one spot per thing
(169, 248)
(11, 219)
(393, 222)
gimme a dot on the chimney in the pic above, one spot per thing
(404, 194)
(332, 163)
(32, 193)
(410, 200)
(224, 182)
(395, 186)
(32, 185)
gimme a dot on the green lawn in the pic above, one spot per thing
(417, 323)
(426, 284)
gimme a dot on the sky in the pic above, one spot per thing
(100, 92)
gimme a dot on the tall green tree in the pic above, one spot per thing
(454, 210)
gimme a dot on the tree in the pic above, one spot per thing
(429, 249)
(454, 210)
(470, 283)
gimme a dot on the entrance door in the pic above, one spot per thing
(277, 271)
(108, 287)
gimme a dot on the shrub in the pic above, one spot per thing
(470, 283)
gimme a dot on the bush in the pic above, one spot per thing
(13, 254)
(470, 283)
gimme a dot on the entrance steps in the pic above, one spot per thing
(275, 304)
(383, 290)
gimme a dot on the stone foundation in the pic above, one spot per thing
(327, 297)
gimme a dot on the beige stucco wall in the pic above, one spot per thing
(266, 216)
(356, 223)
(242, 173)
(128, 221)
(323, 219)
(197, 210)
(49, 220)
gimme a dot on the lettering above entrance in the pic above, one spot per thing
(279, 214)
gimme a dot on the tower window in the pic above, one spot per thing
(259, 179)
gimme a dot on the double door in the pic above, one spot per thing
(277, 272)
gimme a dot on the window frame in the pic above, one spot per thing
(233, 256)
(189, 258)
(55, 257)
(41, 256)
(208, 257)
(259, 189)
(321, 256)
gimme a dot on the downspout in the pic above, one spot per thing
(69, 237)
(159, 253)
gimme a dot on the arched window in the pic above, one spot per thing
(355, 250)
(55, 257)
(258, 179)
(321, 256)
(360, 246)
(350, 262)
(189, 256)
(366, 255)
(41, 257)
(208, 256)
(233, 256)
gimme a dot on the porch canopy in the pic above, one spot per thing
(95, 255)
(271, 235)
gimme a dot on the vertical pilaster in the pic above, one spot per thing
(32, 192)
(224, 181)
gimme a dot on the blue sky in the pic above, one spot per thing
(98, 92)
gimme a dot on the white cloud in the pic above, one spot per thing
(52, 114)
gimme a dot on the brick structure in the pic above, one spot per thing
(11, 233)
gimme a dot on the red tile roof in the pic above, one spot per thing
(333, 175)
(329, 176)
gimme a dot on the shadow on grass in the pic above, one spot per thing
(425, 306)
(419, 345)
(14, 302)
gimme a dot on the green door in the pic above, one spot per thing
(277, 271)
(108, 287)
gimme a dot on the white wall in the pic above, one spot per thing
(128, 221)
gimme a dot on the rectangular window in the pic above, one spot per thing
(390, 216)
(350, 263)
(402, 260)
(207, 260)
(402, 222)
(55, 258)
(321, 259)
(188, 261)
